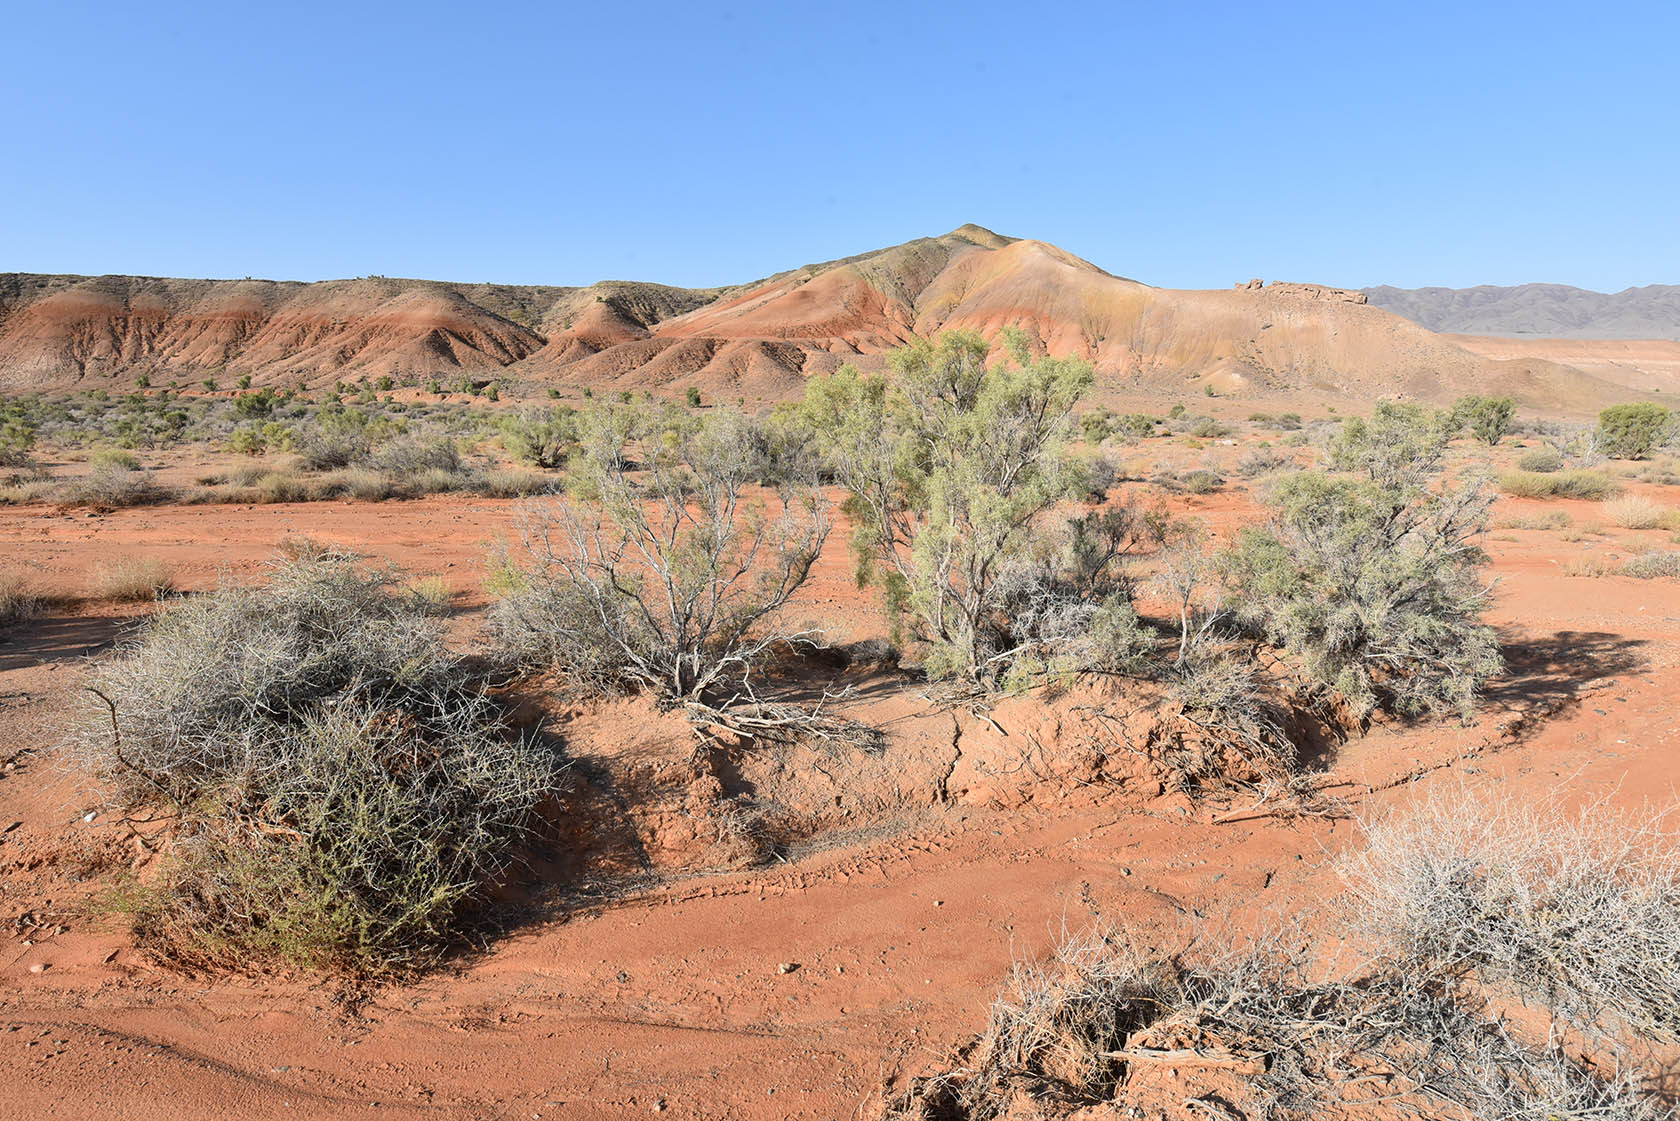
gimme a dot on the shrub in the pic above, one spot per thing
(415, 452)
(513, 484)
(111, 486)
(1261, 461)
(1288, 422)
(1653, 566)
(1633, 431)
(693, 396)
(1540, 460)
(1580, 913)
(344, 795)
(542, 438)
(1397, 446)
(1206, 428)
(113, 459)
(1636, 512)
(1108, 1025)
(133, 579)
(1591, 486)
(1488, 418)
(950, 468)
(671, 581)
(18, 600)
(1453, 904)
(1372, 583)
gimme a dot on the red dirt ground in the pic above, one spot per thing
(663, 989)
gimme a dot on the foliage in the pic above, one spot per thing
(1489, 419)
(1634, 431)
(1371, 582)
(541, 437)
(951, 467)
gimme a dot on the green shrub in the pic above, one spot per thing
(951, 467)
(1489, 419)
(1372, 582)
(542, 438)
(1633, 431)
(344, 794)
(1540, 460)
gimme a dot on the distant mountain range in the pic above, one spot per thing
(1289, 344)
(1554, 311)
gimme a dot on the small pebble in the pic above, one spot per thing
(787, 967)
(38, 967)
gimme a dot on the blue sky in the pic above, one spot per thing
(1183, 145)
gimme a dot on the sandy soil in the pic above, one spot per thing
(658, 974)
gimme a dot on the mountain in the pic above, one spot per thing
(1554, 311)
(760, 340)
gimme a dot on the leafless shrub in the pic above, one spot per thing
(18, 598)
(1103, 1021)
(1261, 461)
(1581, 913)
(672, 580)
(113, 486)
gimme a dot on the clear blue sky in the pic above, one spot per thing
(694, 143)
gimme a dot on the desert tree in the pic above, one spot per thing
(951, 466)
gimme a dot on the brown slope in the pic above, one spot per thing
(61, 331)
(1277, 341)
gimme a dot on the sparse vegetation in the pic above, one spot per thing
(1577, 920)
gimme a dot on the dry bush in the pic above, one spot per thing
(514, 484)
(1261, 461)
(1655, 565)
(1551, 519)
(1588, 566)
(1577, 916)
(673, 578)
(132, 579)
(1590, 486)
(341, 790)
(18, 598)
(111, 486)
(1636, 512)
(1107, 1023)
(1578, 912)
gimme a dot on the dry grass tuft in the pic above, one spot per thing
(132, 579)
(1636, 512)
